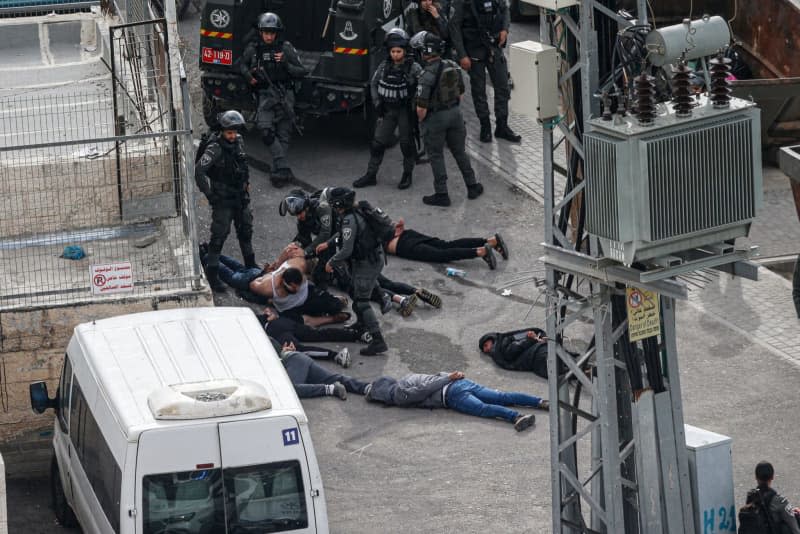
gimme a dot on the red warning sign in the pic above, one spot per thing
(112, 278)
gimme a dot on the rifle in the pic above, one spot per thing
(260, 74)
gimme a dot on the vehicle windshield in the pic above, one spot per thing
(259, 498)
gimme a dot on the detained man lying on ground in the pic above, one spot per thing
(311, 379)
(413, 245)
(518, 350)
(452, 390)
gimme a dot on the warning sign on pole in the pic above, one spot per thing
(644, 317)
(112, 278)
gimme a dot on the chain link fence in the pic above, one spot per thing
(95, 154)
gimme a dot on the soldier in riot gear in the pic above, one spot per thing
(362, 252)
(223, 177)
(439, 93)
(315, 227)
(392, 87)
(478, 30)
(427, 15)
(271, 65)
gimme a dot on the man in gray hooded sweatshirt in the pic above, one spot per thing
(313, 380)
(452, 390)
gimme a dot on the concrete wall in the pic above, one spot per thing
(32, 345)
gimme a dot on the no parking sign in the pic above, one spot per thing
(644, 317)
(112, 278)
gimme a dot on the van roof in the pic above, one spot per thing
(131, 356)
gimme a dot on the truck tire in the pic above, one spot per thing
(63, 511)
(210, 111)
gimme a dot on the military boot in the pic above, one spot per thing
(405, 181)
(486, 131)
(502, 131)
(366, 180)
(250, 261)
(376, 346)
(437, 199)
(212, 275)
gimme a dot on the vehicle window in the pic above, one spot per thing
(62, 406)
(188, 502)
(265, 498)
(76, 410)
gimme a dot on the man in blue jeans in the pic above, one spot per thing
(452, 390)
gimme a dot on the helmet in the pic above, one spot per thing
(342, 198)
(231, 120)
(417, 40)
(396, 37)
(295, 202)
(432, 45)
(269, 22)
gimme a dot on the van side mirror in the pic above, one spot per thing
(40, 400)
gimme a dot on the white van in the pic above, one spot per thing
(180, 421)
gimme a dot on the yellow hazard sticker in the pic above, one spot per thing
(644, 315)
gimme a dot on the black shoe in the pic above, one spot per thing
(212, 275)
(501, 246)
(523, 422)
(280, 177)
(474, 191)
(504, 132)
(489, 258)
(438, 199)
(376, 346)
(366, 181)
(250, 261)
(432, 299)
(405, 181)
(486, 132)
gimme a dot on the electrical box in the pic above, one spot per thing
(711, 474)
(534, 67)
(553, 5)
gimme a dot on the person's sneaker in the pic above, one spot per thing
(339, 390)
(431, 298)
(502, 131)
(366, 181)
(343, 358)
(375, 347)
(474, 191)
(367, 391)
(486, 132)
(405, 181)
(386, 303)
(437, 199)
(501, 246)
(489, 258)
(365, 337)
(407, 305)
(523, 422)
(543, 405)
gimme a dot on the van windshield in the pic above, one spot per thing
(259, 498)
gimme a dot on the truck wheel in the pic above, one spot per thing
(210, 111)
(64, 514)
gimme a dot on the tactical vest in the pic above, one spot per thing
(277, 71)
(448, 89)
(486, 13)
(230, 174)
(393, 85)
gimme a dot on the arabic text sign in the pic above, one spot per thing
(644, 318)
(112, 278)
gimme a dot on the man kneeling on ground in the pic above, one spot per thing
(452, 390)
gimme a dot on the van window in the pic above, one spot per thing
(259, 498)
(62, 405)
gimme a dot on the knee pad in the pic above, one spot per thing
(268, 137)
(359, 306)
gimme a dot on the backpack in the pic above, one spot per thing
(205, 140)
(754, 517)
(380, 224)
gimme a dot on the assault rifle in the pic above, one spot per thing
(260, 74)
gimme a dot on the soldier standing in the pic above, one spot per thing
(392, 87)
(271, 65)
(363, 254)
(439, 93)
(222, 176)
(478, 30)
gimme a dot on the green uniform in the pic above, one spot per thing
(223, 177)
(439, 91)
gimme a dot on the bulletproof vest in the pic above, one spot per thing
(448, 90)
(393, 85)
(277, 71)
(230, 173)
(485, 12)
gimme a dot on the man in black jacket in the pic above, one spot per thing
(782, 517)
(520, 350)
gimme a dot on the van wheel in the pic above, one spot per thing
(64, 514)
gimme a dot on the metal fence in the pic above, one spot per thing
(96, 164)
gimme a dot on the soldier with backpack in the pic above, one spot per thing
(766, 511)
(362, 251)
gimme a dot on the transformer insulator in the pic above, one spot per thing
(682, 90)
(645, 89)
(720, 91)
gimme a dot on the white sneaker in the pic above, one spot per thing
(343, 358)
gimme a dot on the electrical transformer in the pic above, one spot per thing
(673, 177)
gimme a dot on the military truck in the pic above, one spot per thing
(339, 43)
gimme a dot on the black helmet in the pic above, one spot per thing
(295, 202)
(396, 37)
(417, 40)
(342, 198)
(231, 120)
(432, 44)
(269, 22)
